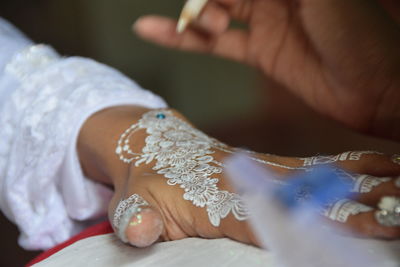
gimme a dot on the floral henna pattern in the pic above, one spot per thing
(183, 155)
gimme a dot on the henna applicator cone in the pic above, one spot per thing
(190, 12)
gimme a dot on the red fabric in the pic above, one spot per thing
(98, 229)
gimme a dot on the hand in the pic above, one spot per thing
(340, 57)
(170, 217)
(174, 158)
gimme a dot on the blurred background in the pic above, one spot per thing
(225, 99)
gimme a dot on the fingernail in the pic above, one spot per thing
(127, 210)
(144, 228)
(136, 24)
(131, 216)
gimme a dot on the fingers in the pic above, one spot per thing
(213, 20)
(373, 176)
(208, 34)
(163, 31)
(386, 188)
(360, 219)
(366, 225)
(375, 164)
(144, 228)
(136, 222)
(235, 9)
(365, 162)
(239, 10)
(230, 44)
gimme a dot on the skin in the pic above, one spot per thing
(180, 218)
(340, 57)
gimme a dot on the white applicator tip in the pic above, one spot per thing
(182, 25)
(190, 12)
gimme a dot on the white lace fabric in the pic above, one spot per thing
(11, 41)
(42, 188)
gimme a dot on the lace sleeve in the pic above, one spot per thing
(43, 189)
(11, 41)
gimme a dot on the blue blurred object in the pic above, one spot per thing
(301, 237)
(316, 187)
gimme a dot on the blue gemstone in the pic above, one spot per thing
(161, 116)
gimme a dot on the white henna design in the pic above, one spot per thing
(184, 156)
(342, 209)
(361, 183)
(351, 155)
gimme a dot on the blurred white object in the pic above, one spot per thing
(297, 237)
(190, 12)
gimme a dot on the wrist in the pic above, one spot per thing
(98, 140)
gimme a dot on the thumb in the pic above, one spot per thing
(136, 222)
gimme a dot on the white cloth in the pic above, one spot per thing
(107, 250)
(44, 101)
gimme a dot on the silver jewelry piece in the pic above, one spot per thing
(396, 159)
(389, 213)
(124, 212)
(342, 209)
(397, 182)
